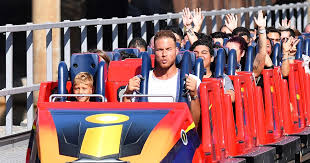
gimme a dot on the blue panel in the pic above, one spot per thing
(71, 127)
(181, 153)
(83, 63)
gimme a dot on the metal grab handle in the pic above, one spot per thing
(53, 97)
(146, 95)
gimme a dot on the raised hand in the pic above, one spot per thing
(231, 21)
(289, 46)
(187, 18)
(197, 19)
(285, 23)
(260, 20)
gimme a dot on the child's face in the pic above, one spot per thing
(82, 88)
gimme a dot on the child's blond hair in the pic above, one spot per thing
(85, 78)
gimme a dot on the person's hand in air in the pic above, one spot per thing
(197, 19)
(231, 21)
(260, 21)
(187, 18)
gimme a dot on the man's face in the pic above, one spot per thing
(82, 88)
(285, 35)
(236, 46)
(203, 52)
(220, 40)
(165, 52)
(274, 37)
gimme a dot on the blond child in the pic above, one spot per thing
(83, 84)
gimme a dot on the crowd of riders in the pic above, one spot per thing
(168, 42)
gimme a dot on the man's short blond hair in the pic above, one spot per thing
(85, 78)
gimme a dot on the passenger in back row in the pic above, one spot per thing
(163, 78)
(203, 49)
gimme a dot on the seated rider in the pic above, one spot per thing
(83, 84)
(163, 78)
(204, 49)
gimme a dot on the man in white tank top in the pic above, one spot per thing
(163, 79)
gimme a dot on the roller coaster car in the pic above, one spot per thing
(108, 131)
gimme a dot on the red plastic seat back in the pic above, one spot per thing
(212, 107)
(272, 98)
(119, 74)
(296, 96)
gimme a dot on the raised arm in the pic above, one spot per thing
(289, 51)
(197, 19)
(259, 61)
(231, 21)
(187, 21)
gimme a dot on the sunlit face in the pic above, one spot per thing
(203, 52)
(236, 46)
(82, 88)
(285, 35)
(220, 40)
(165, 52)
(274, 37)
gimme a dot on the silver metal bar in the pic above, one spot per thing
(277, 17)
(169, 20)
(156, 24)
(305, 18)
(242, 17)
(251, 15)
(143, 95)
(181, 25)
(16, 28)
(19, 90)
(299, 21)
(292, 17)
(129, 31)
(49, 55)
(83, 38)
(284, 14)
(53, 97)
(9, 81)
(269, 18)
(29, 48)
(222, 20)
(114, 35)
(67, 44)
(214, 26)
(204, 24)
(143, 29)
(99, 36)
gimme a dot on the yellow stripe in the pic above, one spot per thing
(190, 127)
(102, 141)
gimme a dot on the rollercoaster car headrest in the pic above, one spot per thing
(180, 56)
(87, 62)
(145, 69)
(62, 79)
(199, 68)
(186, 68)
